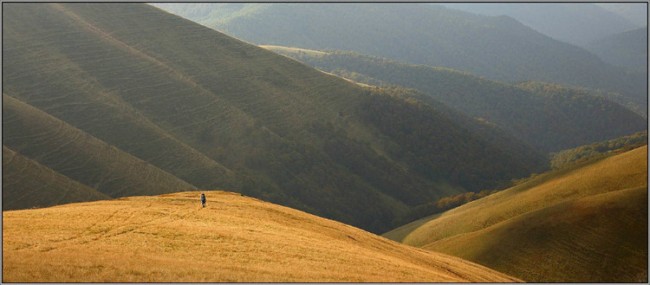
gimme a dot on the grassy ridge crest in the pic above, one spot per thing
(170, 238)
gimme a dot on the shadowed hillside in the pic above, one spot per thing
(547, 116)
(114, 95)
(498, 48)
(76, 155)
(27, 183)
(588, 223)
(170, 238)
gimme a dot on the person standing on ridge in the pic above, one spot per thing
(203, 199)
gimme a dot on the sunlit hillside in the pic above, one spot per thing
(583, 224)
(170, 238)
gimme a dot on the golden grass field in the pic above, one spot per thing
(170, 238)
(587, 224)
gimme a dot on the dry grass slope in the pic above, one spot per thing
(170, 238)
(588, 224)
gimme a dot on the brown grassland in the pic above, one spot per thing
(585, 224)
(170, 238)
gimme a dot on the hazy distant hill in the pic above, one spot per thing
(587, 223)
(627, 49)
(635, 12)
(497, 48)
(546, 116)
(170, 238)
(129, 100)
(574, 23)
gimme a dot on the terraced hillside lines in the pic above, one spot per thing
(217, 112)
(137, 134)
(170, 238)
(26, 183)
(587, 219)
(75, 154)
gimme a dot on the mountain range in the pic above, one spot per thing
(496, 47)
(125, 99)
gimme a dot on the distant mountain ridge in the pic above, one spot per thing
(129, 100)
(574, 23)
(498, 48)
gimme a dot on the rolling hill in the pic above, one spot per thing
(498, 48)
(588, 223)
(127, 99)
(170, 238)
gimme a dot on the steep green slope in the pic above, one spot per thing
(628, 49)
(548, 117)
(79, 156)
(216, 112)
(26, 183)
(498, 48)
(589, 224)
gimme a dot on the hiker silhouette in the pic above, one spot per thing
(203, 199)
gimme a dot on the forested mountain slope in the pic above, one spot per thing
(125, 97)
(547, 116)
